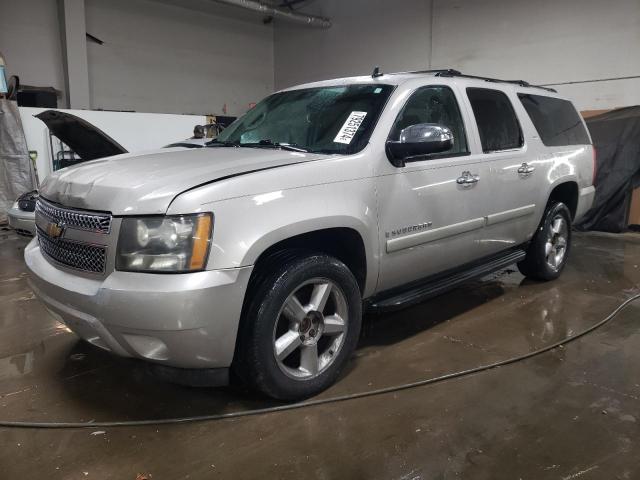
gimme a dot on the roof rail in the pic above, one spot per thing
(455, 73)
(448, 71)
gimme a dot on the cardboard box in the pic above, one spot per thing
(592, 113)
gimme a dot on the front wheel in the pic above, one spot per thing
(549, 249)
(301, 327)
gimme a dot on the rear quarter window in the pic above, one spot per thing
(497, 122)
(556, 120)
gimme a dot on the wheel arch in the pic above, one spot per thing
(566, 192)
(345, 243)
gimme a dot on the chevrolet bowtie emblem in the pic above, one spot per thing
(55, 230)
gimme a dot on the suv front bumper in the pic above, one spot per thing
(179, 320)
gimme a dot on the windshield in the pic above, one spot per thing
(324, 119)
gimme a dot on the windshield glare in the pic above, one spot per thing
(325, 119)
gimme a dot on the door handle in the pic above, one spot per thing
(526, 169)
(467, 179)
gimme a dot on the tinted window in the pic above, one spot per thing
(433, 105)
(556, 120)
(497, 122)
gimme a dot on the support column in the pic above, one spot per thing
(74, 42)
(431, 24)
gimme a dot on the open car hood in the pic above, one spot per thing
(85, 139)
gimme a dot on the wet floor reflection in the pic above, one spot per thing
(47, 375)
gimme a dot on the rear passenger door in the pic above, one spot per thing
(514, 170)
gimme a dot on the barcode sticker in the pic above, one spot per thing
(350, 127)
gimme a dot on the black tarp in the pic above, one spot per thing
(616, 137)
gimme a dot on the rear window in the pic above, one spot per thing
(497, 122)
(556, 120)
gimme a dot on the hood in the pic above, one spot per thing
(147, 182)
(85, 139)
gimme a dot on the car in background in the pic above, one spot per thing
(80, 142)
(202, 134)
(22, 214)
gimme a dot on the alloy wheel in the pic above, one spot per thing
(310, 329)
(555, 248)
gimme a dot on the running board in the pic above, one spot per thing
(420, 292)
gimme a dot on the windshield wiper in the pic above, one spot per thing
(267, 143)
(217, 143)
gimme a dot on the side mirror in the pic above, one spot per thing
(417, 140)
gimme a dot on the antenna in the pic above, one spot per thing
(376, 72)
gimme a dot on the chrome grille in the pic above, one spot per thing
(78, 219)
(81, 256)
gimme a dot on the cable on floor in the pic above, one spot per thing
(323, 401)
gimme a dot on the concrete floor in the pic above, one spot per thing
(570, 413)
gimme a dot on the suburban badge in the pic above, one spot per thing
(409, 229)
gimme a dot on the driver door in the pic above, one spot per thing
(429, 220)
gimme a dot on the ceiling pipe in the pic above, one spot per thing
(276, 12)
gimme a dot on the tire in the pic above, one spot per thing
(279, 337)
(549, 249)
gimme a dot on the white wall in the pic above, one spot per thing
(392, 34)
(173, 56)
(30, 42)
(160, 57)
(545, 41)
(542, 41)
(194, 56)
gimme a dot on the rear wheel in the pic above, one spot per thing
(549, 248)
(301, 326)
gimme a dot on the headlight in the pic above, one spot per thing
(164, 244)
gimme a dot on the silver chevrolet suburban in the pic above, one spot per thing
(258, 254)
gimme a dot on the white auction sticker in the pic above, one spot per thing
(350, 127)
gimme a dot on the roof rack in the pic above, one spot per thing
(447, 71)
(450, 72)
(522, 83)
